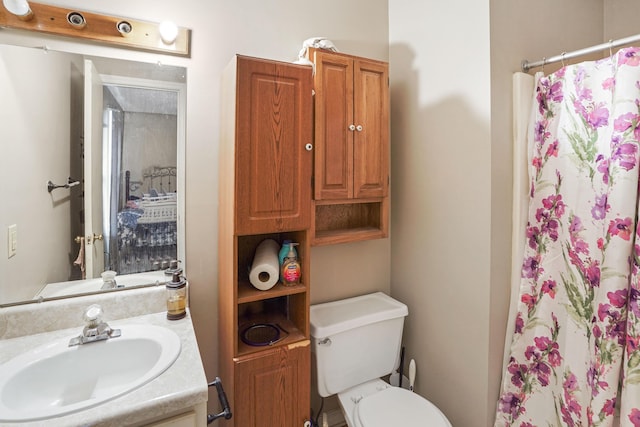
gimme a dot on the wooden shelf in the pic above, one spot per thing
(247, 293)
(289, 332)
(332, 237)
(345, 221)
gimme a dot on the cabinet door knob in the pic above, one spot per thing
(352, 127)
(359, 128)
(308, 147)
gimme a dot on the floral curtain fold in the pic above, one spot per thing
(575, 353)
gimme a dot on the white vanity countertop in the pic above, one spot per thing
(182, 386)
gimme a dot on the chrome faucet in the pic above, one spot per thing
(95, 329)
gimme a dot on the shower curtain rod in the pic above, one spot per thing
(526, 65)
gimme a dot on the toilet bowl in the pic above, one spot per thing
(378, 404)
(356, 341)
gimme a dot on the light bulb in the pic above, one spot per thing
(20, 8)
(168, 32)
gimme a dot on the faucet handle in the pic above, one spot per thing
(92, 315)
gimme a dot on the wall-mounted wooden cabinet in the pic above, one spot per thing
(351, 154)
(265, 193)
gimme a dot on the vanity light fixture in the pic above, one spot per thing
(96, 27)
(19, 8)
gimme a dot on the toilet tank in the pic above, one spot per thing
(355, 340)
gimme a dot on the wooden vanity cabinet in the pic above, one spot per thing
(265, 193)
(351, 154)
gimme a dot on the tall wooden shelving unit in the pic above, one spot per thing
(266, 165)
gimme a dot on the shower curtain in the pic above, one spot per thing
(574, 356)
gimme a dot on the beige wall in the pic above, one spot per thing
(42, 218)
(451, 169)
(275, 30)
(448, 257)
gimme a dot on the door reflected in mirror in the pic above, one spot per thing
(116, 127)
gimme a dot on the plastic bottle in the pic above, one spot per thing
(290, 272)
(284, 250)
(176, 296)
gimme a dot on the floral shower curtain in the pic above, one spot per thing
(575, 353)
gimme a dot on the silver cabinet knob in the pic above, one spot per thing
(359, 128)
(308, 147)
(352, 127)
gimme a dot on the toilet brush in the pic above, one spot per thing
(412, 374)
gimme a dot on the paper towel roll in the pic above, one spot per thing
(265, 269)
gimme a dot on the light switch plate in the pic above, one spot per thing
(12, 240)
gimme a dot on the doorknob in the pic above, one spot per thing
(91, 239)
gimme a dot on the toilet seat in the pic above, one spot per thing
(396, 406)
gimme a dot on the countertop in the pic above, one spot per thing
(181, 386)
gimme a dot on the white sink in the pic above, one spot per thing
(55, 379)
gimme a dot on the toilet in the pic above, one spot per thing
(356, 341)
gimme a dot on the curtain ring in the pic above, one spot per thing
(562, 57)
(610, 47)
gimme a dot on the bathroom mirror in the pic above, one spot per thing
(93, 173)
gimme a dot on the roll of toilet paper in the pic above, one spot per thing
(265, 269)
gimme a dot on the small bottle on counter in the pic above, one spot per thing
(176, 296)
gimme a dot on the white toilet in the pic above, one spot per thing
(356, 341)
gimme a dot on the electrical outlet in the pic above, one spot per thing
(12, 240)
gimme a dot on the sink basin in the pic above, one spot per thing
(55, 379)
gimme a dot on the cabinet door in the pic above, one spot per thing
(273, 387)
(273, 126)
(333, 118)
(371, 139)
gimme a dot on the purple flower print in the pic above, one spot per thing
(618, 299)
(511, 404)
(630, 57)
(532, 235)
(601, 207)
(621, 228)
(555, 204)
(518, 373)
(551, 348)
(609, 84)
(552, 149)
(603, 167)
(633, 344)
(625, 121)
(519, 324)
(570, 405)
(609, 406)
(593, 273)
(634, 297)
(541, 134)
(549, 288)
(597, 116)
(531, 267)
(593, 379)
(625, 155)
(634, 417)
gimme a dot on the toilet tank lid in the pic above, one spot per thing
(334, 317)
